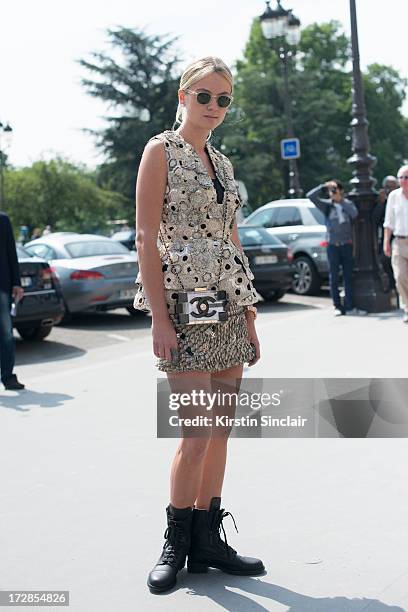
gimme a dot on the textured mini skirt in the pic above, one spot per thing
(211, 347)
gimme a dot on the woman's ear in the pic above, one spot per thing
(182, 97)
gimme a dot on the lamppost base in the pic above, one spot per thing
(369, 294)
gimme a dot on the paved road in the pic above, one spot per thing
(85, 481)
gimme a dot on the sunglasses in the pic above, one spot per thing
(403, 178)
(204, 97)
(333, 190)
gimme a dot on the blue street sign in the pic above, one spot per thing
(290, 148)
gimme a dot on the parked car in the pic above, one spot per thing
(42, 305)
(126, 237)
(95, 272)
(299, 224)
(271, 261)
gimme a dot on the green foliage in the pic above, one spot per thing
(388, 128)
(61, 195)
(321, 87)
(142, 80)
(141, 86)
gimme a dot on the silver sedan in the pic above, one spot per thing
(95, 273)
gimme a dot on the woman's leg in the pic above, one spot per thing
(187, 466)
(225, 381)
(207, 548)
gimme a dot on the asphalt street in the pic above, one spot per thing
(85, 480)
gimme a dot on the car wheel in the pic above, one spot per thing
(35, 334)
(273, 295)
(306, 280)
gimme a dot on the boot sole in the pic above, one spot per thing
(201, 568)
(156, 589)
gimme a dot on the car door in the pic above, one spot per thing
(264, 218)
(287, 224)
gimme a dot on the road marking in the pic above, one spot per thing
(118, 337)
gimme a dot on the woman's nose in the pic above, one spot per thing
(211, 105)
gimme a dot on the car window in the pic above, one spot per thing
(125, 235)
(287, 215)
(264, 218)
(252, 236)
(41, 250)
(317, 216)
(21, 253)
(90, 248)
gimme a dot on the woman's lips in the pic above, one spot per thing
(210, 117)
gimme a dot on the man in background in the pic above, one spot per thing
(10, 289)
(396, 222)
(339, 214)
(389, 183)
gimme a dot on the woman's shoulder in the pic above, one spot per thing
(167, 137)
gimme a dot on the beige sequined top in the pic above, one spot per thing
(192, 227)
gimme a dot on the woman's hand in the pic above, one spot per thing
(164, 338)
(253, 338)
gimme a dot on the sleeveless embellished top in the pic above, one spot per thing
(192, 227)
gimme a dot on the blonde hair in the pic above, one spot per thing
(198, 70)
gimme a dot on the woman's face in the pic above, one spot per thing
(205, 116)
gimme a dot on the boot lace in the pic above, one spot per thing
(175, 542)
(218, 526)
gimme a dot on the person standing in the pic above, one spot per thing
(339, 214)
(396, 222)
(389, 183)
(186, 195)
(10, 287)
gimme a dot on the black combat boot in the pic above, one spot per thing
(173, 557)
(209, 550)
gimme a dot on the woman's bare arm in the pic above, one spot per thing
(150, 190)
(235, 236)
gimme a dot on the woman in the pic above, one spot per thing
(186, 196)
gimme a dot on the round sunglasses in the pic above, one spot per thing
(203, 97)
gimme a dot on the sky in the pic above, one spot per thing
(40, 42)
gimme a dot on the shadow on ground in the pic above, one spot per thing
(115, 320)
(47, 350)
(23, 401)
(216, 586)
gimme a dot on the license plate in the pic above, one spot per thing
(26, 281)
(127, 294)
(265, 259)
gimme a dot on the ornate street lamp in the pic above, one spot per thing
(275, 24)
(5, 135)
(372, 290)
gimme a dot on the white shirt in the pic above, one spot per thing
(396, 213)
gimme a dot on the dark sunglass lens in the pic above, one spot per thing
(203, 97)
(224, 101)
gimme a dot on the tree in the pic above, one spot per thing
(321, 85)
(141, 84)
(142, 88)
(388, 128)
(61, 195)
(321, 101)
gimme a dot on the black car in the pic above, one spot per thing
(270, 260)
(42, 304)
